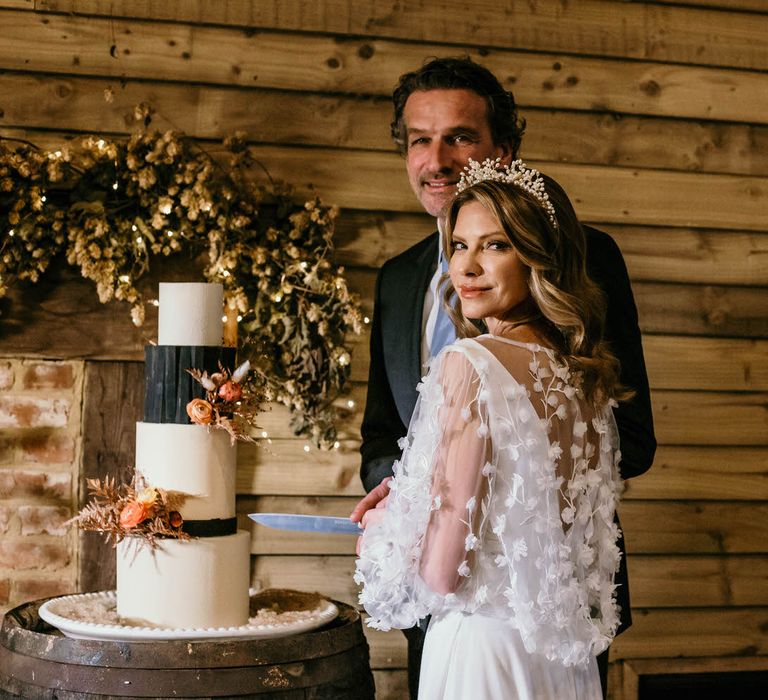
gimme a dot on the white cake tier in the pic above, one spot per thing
(190, 313)
(199, 583)
(193, 459)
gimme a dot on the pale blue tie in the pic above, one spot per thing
(445, 332)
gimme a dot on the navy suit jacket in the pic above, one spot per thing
(395, 367)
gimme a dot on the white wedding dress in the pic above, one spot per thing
(500, 525)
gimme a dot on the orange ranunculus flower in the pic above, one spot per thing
(133, 513)
(231, 391)
(200, 411)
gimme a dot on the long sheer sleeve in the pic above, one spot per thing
(417, 554)
(502, 504)
(457, 478)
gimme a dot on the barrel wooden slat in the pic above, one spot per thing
(37, 661)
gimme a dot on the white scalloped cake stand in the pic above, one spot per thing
(62, 613)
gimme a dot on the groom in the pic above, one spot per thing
(445, 113)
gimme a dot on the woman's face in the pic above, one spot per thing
(485, 269)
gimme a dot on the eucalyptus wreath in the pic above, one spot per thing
(114, 206)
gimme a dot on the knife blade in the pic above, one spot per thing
(322, 524)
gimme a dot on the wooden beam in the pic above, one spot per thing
(680, 418)
(694, 527)
(650, 527)
(388, 649)
(670, 633)
(657, 581)
(702, 310)
(652, 253)
(599, 27)
(284, 467)
(131, 49)
(711, 664)
(61, 316)
(113, 397)
(602, 194)
(72, 103)
(691, 418)
(692, 255)
(391, 684)
(686, 581)
(745, 5)
(680, 362)
(686, 473)
(694, 632)
(703, 473)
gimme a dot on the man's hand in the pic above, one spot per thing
(371, 508)
(377, 498)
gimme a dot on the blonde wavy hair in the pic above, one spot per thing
(569, 307)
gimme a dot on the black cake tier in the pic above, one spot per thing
(168, 387)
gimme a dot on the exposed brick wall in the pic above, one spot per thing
(40, 438)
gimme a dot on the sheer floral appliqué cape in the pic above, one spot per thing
(504, 500)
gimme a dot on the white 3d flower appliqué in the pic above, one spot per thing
(470, 542)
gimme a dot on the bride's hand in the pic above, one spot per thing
(371, 517)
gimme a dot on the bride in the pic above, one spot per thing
(500, 518)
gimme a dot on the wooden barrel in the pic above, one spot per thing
(38, 662)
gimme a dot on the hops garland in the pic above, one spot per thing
(114, 207)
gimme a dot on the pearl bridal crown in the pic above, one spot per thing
(516, 173)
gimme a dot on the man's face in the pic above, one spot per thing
(444, 129)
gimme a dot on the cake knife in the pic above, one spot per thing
(307, 523)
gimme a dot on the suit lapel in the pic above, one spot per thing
(404, 346)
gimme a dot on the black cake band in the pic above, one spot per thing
(217, 527)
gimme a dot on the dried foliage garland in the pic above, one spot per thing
(112, 207)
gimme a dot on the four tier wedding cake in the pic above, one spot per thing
(201, 582)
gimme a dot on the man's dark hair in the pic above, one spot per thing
(458, 73)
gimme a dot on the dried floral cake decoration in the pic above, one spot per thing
(231, 402)
(136, 509)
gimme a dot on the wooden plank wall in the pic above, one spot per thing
(654, 115)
